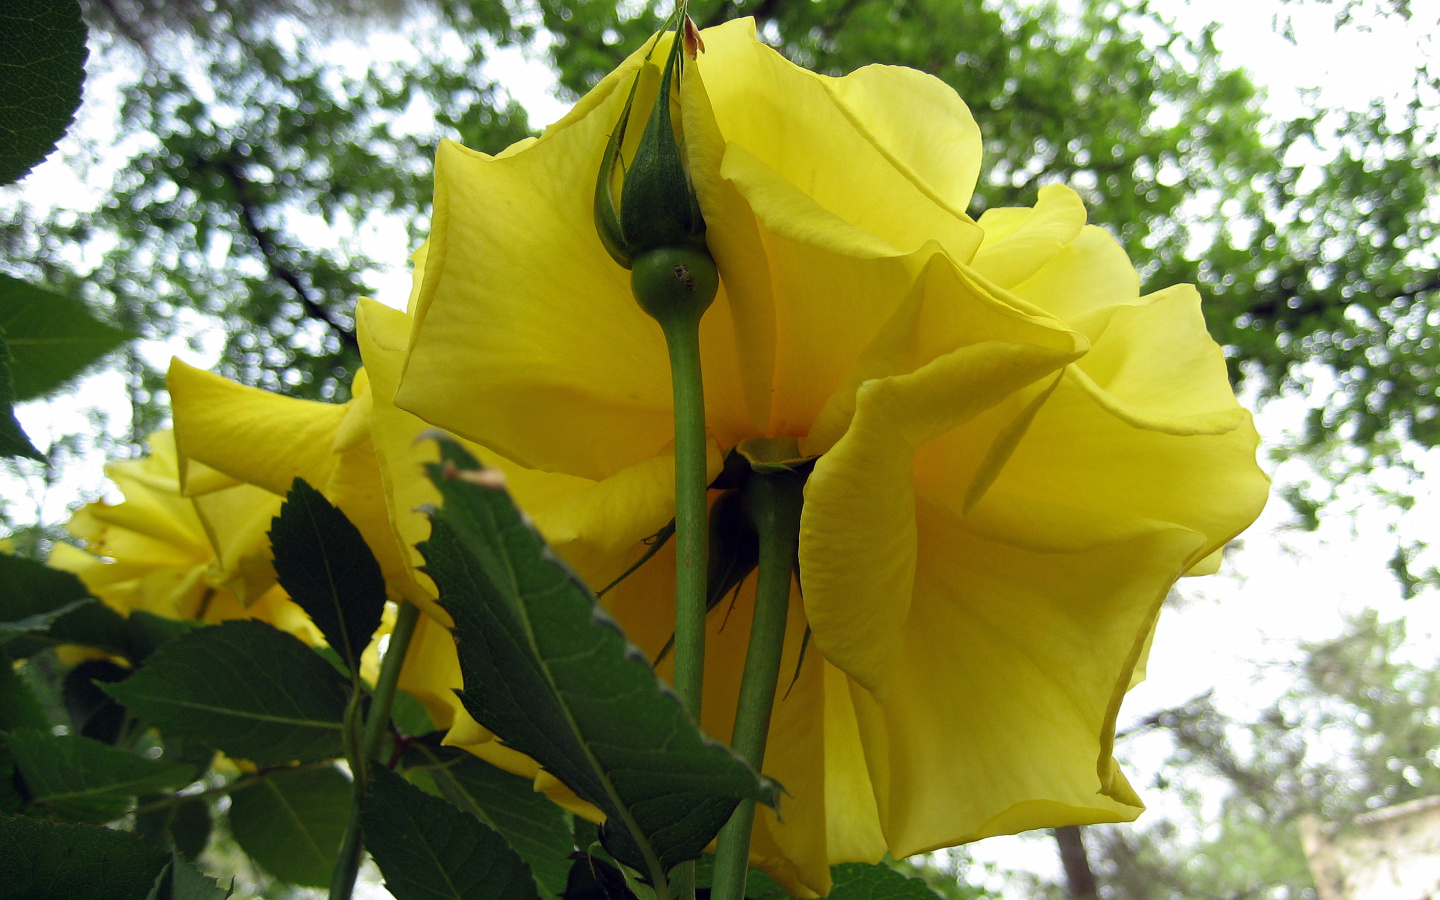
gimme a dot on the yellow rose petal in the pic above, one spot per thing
(260, 438)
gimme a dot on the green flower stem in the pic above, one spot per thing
(347, 864)
(383, 697)
(773, 501)
(692, 526)
(682, 336)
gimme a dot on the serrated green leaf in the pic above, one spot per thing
(62, 861)
(146, 632)
(83, 780)
(29, 589)
(13, 440)
(244, 687)
(19, 707)
(43, 45)
(326, 567)
(548, 670)
(292, 823)
(866, 881)
(180, 880)
(429, 849)
(534, 826)
(189, 883)
(51, 337)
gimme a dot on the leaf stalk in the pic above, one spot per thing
(352, 849)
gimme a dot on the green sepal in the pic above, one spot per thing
(657, 202)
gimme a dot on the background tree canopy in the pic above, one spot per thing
(271, 161)
(259, 151)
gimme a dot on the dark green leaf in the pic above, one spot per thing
(146, 632)
(190, 828)
(548, 670)
(19, 707)
(43, 45)
(244, 687)
(41, 607)
(83, 780)
(291, 823)
(90, 624)
(60, 861)
(530, 822)
(592, 878)
(185, 824)
(864, 881)
(427, 848)
(94, 713)
(325, 565)
(11, 798)
(13, 440)
(40, 622)
(29, 590)
(51, 337)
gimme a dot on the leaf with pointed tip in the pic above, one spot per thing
(530, 822)
(83, 780)
(326, 567)
(548, 670)
(180, 880)
(243, 687)
(291, 823)
(429, 849)
(61, 861)
(13, 440)
(19, 707)
(51, 337)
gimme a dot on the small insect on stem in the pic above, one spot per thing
(487, 478)
(682, 275)
(694, 45)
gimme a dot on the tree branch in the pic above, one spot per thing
(250, 218)
(1079, 879)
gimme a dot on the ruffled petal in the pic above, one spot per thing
(902, 151)
(1018, 241)
(1001, 709)
(1145, 426)
(858, 531)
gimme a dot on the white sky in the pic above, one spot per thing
(1236, 630)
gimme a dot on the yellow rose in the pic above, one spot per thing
(177, 556)
(1018, 454)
